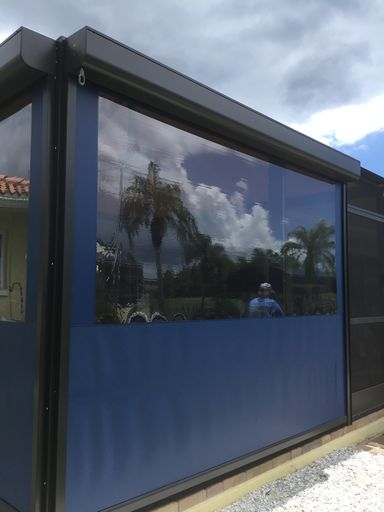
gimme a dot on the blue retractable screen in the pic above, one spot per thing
(20, 161)
(153, 403)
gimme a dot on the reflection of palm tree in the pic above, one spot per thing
(266, 260)
(210, 257)
(158, 206)
(313, 247)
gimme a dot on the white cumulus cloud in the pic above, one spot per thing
(345, 125)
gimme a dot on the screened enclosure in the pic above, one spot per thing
(140, 213)
(366, 285)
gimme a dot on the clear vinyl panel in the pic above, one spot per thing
(15, 150)
(191, 229)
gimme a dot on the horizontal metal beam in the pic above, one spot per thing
(119, 68)
(367, 400)
(25, 57)
(368, 214)
(367, 320)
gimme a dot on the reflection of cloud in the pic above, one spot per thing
(129, 136)
(237, 200)
(239, 231)
(15, 144)
(242, 184)
(128, 141)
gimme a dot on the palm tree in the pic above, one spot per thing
(157, 205)
(314, 248)
(211, 259)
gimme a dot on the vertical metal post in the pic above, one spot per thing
(64, 291)
(346, 306)
(49, 388)
(44, 307)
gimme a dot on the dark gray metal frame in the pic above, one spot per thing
(27, 57)
(42, 376)
(116, 67)
(58, 467)
(346, 308)
(54, 364)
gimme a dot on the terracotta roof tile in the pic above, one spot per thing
(13, 186)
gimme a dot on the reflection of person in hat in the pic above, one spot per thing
(263, 305)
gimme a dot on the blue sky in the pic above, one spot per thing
(370, 152)
(315, 65)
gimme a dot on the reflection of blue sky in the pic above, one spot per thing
(233, 172)
(307, 200)
(241, 202)
(15, 143)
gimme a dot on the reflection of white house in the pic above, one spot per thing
(14, 193)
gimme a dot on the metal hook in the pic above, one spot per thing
(81, 77)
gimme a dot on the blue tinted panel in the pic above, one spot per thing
(149, 406)
(20, 161)
(16, 409)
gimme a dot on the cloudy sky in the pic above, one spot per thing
(316, 65)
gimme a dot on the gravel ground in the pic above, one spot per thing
(350, 479)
